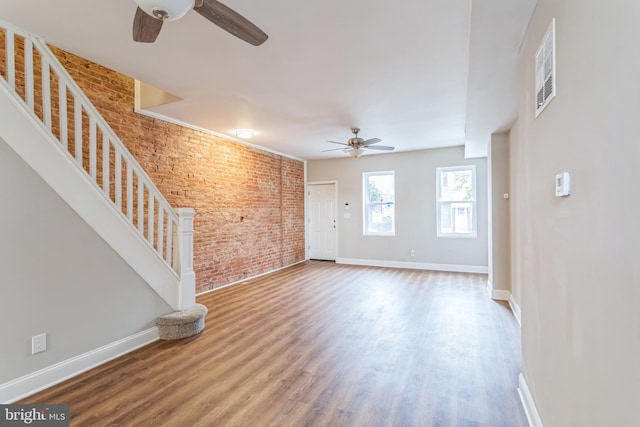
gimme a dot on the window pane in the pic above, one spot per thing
(379, 215)
(456, 217)
(462, 217)
(381, 188)
(445, 218)
(456, 201)
(456, 185)
(380, 218)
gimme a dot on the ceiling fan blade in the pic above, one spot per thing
(333, 149)
(231, 21)
(381, 147)
(341, 143)
(371, 141)
(145, 27)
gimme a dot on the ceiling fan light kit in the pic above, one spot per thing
(151, 14)
(166, 10)
(356, 146)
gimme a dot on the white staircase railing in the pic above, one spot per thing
(42, 86)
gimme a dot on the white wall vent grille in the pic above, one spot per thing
(546, 69)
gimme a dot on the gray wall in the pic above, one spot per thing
(415, 174)
(517, 228)
(58, 277)
(577, 265)
(498, 176)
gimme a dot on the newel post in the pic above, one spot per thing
(185, 251)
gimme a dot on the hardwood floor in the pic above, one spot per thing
(320, 344)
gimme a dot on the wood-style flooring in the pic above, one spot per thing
(320, 344)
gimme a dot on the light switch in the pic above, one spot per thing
(563, 184)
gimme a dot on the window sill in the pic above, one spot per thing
(458, 235)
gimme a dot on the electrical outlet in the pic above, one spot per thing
(38, 343)
(413, 253)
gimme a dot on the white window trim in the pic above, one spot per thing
(474, 201)
(365, 204)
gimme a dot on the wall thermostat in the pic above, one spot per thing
(563, 184)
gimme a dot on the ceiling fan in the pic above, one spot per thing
(151, 14)
(357, 146)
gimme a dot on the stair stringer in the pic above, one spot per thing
(31, 141)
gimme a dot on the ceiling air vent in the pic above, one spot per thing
(546, 69)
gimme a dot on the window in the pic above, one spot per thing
(379, 204)
(456, 199)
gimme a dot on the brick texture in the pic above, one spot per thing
(249, 203)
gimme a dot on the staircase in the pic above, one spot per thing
(53, 126)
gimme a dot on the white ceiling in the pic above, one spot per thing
(417, 74)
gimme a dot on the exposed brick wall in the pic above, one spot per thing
(249, 203)
(292, 184)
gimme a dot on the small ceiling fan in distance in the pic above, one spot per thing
(357, 146)
(151, 14)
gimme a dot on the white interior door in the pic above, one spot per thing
(322, 222)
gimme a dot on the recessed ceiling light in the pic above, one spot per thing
(244, 133)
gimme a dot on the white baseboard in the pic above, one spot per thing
(497, 294)
(528, 403)
(515, 308)
(456, 268)
(500, 295)
(32, 383)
